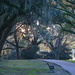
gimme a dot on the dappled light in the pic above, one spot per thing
(37, 29)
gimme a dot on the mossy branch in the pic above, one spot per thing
(70, 31)
(72, 2)
(14, 44)
(66, 10)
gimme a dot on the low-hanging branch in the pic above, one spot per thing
(15, 30)
(70, 31)
(72, 2)
(72, 24)
(70, 5)
(66, 10)
(13, 44)
(7, 48)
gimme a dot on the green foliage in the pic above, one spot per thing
(30, 52)
(30, 10)
(73, 46)
(68, 15)
(65, 52)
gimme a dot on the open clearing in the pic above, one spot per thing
(28, 67)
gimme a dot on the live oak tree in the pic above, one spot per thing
(10, 11)
(39, 15)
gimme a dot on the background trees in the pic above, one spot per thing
(34, 22)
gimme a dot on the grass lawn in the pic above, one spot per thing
(28, 67)
(73, 61)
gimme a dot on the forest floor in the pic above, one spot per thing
(28, 67)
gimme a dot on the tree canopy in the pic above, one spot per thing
(32, 22)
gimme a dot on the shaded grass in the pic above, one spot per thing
(28, 67)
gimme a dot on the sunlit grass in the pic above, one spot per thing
(73, 61)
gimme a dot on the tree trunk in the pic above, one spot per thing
(4, 31)
(17, 45)
(58, 46)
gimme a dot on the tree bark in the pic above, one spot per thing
(17, 45)
(4, 31)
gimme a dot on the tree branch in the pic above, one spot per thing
(72, 2)
(7, 23)
(22, 12)
(10, 4)
(70, 31)
(7, 48)
(13, 44)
